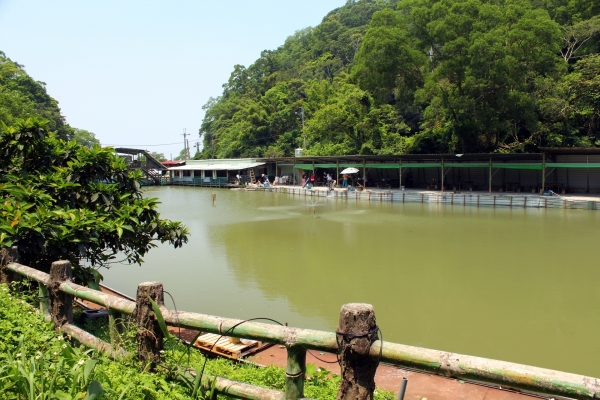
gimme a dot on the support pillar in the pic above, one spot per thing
(490, 180)
(443, 177)
(543, 173)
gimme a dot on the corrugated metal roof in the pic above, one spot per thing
(220, 166)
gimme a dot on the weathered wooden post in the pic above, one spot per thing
(61, 304)
(357, 330)
(7, 256)
(294, 372)
(149, 334)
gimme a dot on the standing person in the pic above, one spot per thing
(329, 181)
(345, 181)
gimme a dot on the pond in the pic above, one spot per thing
(510, 284)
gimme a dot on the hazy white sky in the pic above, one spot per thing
(137, 73)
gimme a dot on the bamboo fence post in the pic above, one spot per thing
(7, 256)
(115, 327)
(294, 372)
(149, 335)
(44, 295)
(61, 304)
(356, 332)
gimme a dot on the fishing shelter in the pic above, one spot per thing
(560, 170)
(216, 172)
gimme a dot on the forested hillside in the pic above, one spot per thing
(419, 76)
(22, 97)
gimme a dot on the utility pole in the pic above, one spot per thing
(186, 152)
(301, 114)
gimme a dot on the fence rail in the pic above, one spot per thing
(464, 199)
(297, 342)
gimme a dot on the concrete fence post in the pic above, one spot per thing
(356, 332)
(149, 334)
(61, 304)
(7, 256)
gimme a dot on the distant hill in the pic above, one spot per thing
(21, 97)
(418, 76)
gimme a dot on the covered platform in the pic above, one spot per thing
(562, 170)
(215, 173)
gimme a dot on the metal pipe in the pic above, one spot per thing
(402, 390)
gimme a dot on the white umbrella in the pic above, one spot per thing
(349, 171)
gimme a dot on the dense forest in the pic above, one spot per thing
(23, 97)
(418, 76)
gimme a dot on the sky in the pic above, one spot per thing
(137, 73)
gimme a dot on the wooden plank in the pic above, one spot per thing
(222, 345)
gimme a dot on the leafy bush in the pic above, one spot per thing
(65, 201)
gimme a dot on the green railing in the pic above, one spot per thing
(57, 289)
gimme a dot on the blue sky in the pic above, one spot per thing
(138, 72)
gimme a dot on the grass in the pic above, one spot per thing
(36, 363)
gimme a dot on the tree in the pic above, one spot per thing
(486, 58)
(159, 156)
(347, 120)
(22, 97)
(85, 138)
(584, 96)
(577, 35)
(386, 59)
(65, 201)
(183, 155)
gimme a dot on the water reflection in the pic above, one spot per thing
(516, 285)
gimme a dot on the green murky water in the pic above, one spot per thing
(516, 285)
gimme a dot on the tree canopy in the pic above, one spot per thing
(418, 76)
(64, 201)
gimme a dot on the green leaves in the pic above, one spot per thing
(65, 201)
(160, 318)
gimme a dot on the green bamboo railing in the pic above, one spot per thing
(297, 341)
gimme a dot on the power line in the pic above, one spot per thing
(141, 145)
